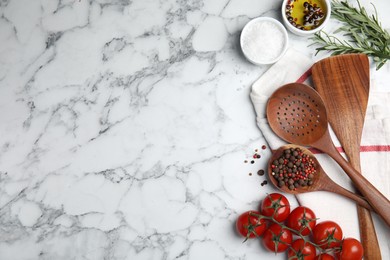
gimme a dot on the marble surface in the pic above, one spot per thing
(125, 125)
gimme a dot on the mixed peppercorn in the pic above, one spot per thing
(294, 169)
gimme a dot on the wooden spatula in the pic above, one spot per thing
(344, 82)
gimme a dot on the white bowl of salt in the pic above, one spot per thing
(264, 40)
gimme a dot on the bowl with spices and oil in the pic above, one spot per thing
(305, 17)
(264, 40)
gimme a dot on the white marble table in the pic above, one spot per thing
(125, 125)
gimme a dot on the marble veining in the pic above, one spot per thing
(124, 129)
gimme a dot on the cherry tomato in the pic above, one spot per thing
(350, 249)
(327, 234)
(276, 238)
(249, 224)
(302, 219)
(277, 206)
(301, 250)
(324, 257)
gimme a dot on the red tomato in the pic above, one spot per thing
(324, 257)
(327, 234)
(277, 239)
(302, 219)
(249, 225)
(351, 249)
(277, 206)
(301, 250)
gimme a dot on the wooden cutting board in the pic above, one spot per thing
(343, 82)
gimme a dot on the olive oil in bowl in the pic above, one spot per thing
(305, 14)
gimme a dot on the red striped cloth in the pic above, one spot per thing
(363, 149)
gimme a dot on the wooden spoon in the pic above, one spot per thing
(321, 181)
(297, 114)
(343, 82)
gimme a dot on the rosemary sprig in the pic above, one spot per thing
(363, 34)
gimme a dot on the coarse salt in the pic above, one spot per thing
(263, 41)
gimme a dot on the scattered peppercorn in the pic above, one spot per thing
(256, 155)
(293, 169)
(260, 172)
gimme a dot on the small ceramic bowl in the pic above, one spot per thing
(326, 10)
(264, 40)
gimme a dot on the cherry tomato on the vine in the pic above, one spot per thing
(301, 250)
(249, 225)
(276, 238)
(350, 249)
(327, 234)
(324, 257)
(277, 206)
(302, 219)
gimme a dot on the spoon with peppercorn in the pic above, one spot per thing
(297, 114)
(294, 169)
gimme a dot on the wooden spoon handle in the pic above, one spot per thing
(335, 188)
(378, 201)
(368, 235)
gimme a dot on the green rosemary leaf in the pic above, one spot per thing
(363, 33)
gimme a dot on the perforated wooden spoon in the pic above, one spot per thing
(343, 81)
(297, 114)
(321, 181)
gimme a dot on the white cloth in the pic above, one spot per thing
(375, 165)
